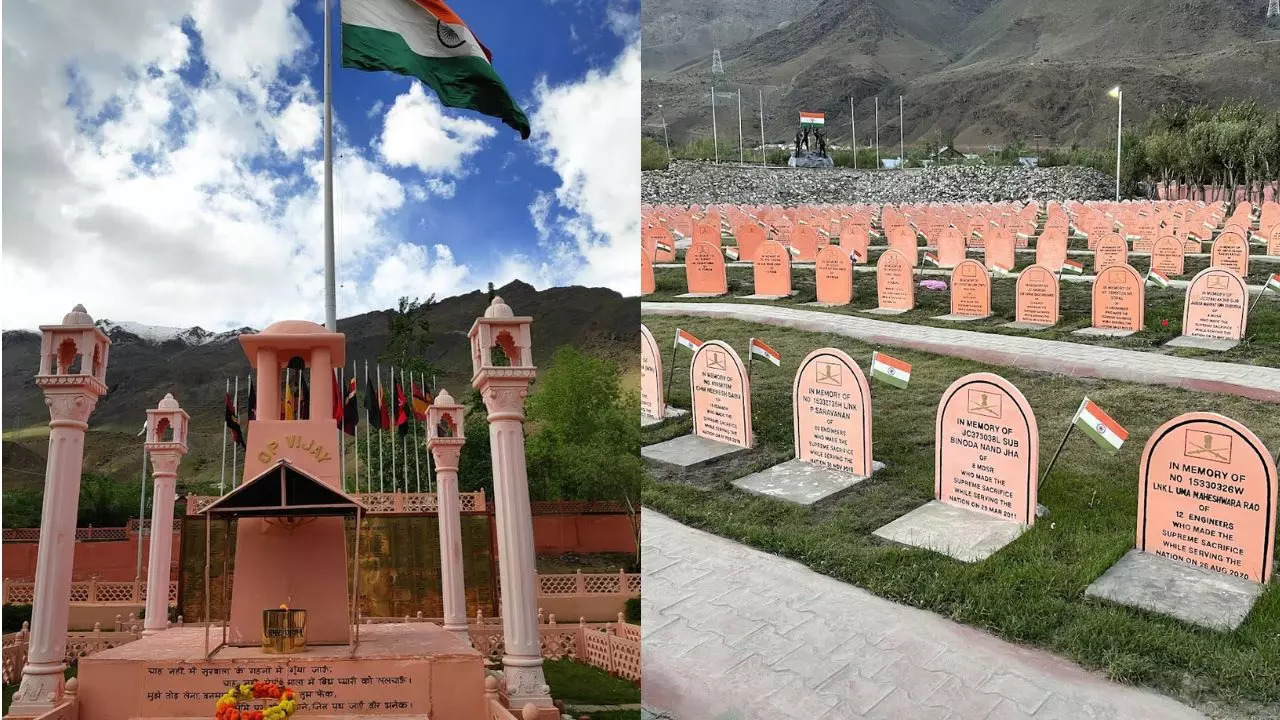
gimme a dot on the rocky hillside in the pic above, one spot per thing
(146, 362)
(980, 71)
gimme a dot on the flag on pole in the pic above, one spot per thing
(252, 402)
(1071, 267)
(856, 254)
(373, 405)
(687, 340)
(761, 350)
(351, 410)
(812, 118)
(1000, 271)
(338, 405)
(890, 369)
(427, 40)
(421, 401)
(1273, 283)
(731, 253)
(932, 259)
(1098, 425)
(793, 250)
(402, 409)
(290, 405)
(665, 246)
(1155, 277)
(233, 422)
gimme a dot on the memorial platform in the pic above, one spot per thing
(397, 670)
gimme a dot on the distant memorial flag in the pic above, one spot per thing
(761, 350)
(731, 253)
(427, 40)
(812, 118)
(687, 340)
(1154, 277)
(1273, 283)
(932, 259)
(1000, 271)
(1098, 425)
(890, 369)
(1071, 267)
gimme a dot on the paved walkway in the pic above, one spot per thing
(732, 633)
(1075, 359)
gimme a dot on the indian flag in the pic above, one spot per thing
(812, 118)
(890, 369)
(427, 40)
(1000, 271)
(687, 340)
(1273, 282)
(665, 246)
(1098, 425)
(856, 254)
(1071, 267)
(794, 252)
(761, 350)
(731, 253)
(1155, 277)
(932, 259)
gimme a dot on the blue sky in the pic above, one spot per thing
(174, 179)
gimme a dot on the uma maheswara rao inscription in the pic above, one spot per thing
(171, 689)
(1208, 497)
(721, 405)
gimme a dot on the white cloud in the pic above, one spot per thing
(298, 128)
(417, 133)
(584, 130)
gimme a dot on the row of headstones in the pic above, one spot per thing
(1207, 491)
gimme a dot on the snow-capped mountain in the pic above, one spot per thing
(158, 334)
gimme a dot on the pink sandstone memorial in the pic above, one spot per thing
(704, 271)
(772, 272)
(705, 231)
(653, 403)
(951, 248)
(1119, 299)
(1207, 494)
(750, 237)
(805, 240)
(855, 241)
(1215, 311)
(895, 287)
(903, 239)
(291, 550)
(1036, 299)
(970, 292)
(986, 456)
(1111, 250)
(1230, 251)
(1051, 248)
(834, 276)
(647, 282)
(1167, 256)
(999, 249)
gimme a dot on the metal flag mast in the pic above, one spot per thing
(330, 285)
(222, 474)
(235, 450)
(356, 423)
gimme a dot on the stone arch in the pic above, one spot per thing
(68, 358)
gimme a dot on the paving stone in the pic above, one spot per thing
(964, 701)
(769, 646)
(714, 656)
(682, 573)
(1007, 709)
(907, 673)
(855, 693)
(688, 452)
(961, 664)
(1025, 693)
(812, 666)
(797, 700)
(898, 706)
(963, 534)
(1189, 593)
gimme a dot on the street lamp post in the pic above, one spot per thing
(1118, 94)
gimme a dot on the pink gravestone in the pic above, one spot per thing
(1037, 297)
(721, 395)
(832, 412)
(834, 272)
(772, 270)
(647, 283)
(1111, 250)
(950, 247)
(1167, 256)
(704, 270)
(855, 240)
(894, 289)
(805, 240)
(750, 237)
(1231, 251)
(1217, 305)
(503, 390)
(1051, 248)
(705, 231)
(999, 249)
(903, 239)
(986, 453)
(445, 438)
(1119, 299)
(652, 403)
(166, 445)
(72, 376)
(1207, 496)
(1273, 242)
(970, 290)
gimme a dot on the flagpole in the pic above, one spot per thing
(433, 399)
(330, 283)
(342, 445)
(740, 160)
(671, 375)
(1056, 453)
(381, 481)
(354, 373)
(751, 359)
(853, 127)
(368, 434)
(222, 474)
(1259, 298)
(763, 158)
(417, 470)
(392, 416)
(142, 508)
(235, 449)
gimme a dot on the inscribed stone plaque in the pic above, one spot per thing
(1051, 248)
(704, 270)
(1111, 250)
(721, 395)
(970, 289)
(707, 232)
(832, 411)
(950, 247)
(1231, 251)
(999, 249)
(649, 239)
(855, 238)
(903, 239)
(652, 404)
(683, 224)
(987, 449)
(1207, 496)
(1037, 296)
(1217, 305)
(805, 240)
(1167, 256)
(647, 285)
(834, 276)
(1118, 299)
(1273, 242)
(894, 287)
(772, 270)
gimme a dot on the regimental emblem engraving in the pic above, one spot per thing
(716, 360)
(984, 403)
(1208, 446)
(827, 373)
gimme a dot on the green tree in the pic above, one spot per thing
(409, 336)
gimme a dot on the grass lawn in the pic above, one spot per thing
(1261, 345)
(580, 684)
(1031, 592)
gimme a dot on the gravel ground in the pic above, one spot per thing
(688, 182)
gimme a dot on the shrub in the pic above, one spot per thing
(13, 616)
(632, 612)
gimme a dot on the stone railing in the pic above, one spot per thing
(580, 583)
(88, 534)
(378, 503)
(91, 591)
(79, 644)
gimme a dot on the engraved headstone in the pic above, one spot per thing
(652, 403)
(721, 395)
(970, 290)
(832, 408)
(1231, 251)
(1118, 299)
(772, 270)
(894, 288)
(704, 270)
(1111, 250)
(834, 276)
(1167, 256)
(1037, 297)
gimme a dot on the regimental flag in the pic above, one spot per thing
(253, 401)
(351, 409)
(1071, 267)
(731, 253)
(1098, 425)
(402, 409)
(932, 259)
(338, 406)
(427, 40)
(1273, 283)
(422, 400)
(687, 340)
(761, 350)
(373, 409)
(1154, 277)
(890, 369)
(290, 404)
(233, 422)
(812, 118)
(1000, 271)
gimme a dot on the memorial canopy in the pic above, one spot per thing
(284, 491)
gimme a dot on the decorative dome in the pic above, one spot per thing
(498, 309)
(77, 316)
(294, 327)
(168, 403)
(444, 398)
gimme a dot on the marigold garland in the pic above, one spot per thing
(229, 703)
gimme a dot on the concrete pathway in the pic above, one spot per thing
(1075, 359)
(732, 633)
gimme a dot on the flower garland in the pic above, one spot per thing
(229, 703)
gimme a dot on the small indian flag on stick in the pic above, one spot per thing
(761, 350)
(890, 369)
(1071, 267)
(794, 252)
(1273, 282)
(855, 253)
(1098, 425)
(932, 259)
(812, 118)
(665, 246)
(1001, 271)
(1154, 277)
(687, 340)
(731, 253)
